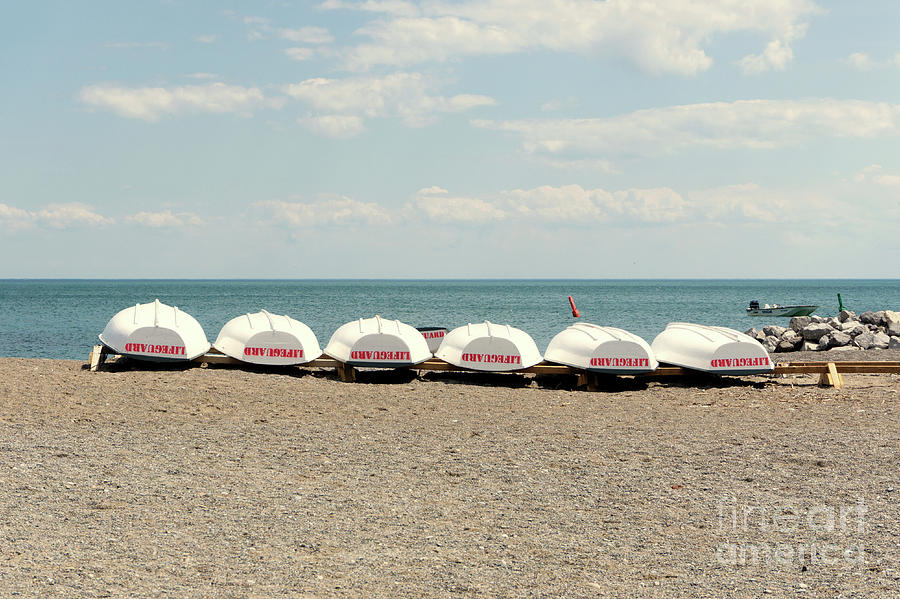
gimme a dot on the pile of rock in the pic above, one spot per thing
(869, 330)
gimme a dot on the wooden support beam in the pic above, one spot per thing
(346, 372)
(831, 377)
(830, 371)
(97, 357)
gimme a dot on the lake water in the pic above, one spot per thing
(62, 318)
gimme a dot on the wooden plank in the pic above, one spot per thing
(96, 357)
(831, 377)
(820, 367)
(99, 353)
(346, 372)
(844, 363)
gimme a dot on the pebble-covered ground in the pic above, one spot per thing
(223, 482)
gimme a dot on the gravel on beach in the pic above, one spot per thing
(230, 482)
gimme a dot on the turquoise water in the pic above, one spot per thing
(62, 318)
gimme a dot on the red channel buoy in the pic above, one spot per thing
(575, 312)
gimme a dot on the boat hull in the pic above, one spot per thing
(378, 343)
(782, 311)
(268, 340)
(716, 350)
(155, 332)
(605, 350)
(489, 347)
(433, 336)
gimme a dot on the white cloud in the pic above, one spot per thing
(888, 180)
(659, 205)
(573, 205)
(863, 62)
(55, 216)
(405, 95)
(860, 61)
(325, 212)
(207, 39)
(152, 103)
(775, 57)
(656, 35)
(742, 203)
(436, 204)
(299, 54)
(166, 219)
(558, 204)
(742, 124)
(306, 35)
(262, 28)
(875, 174)
(338, 126)
(15, 218)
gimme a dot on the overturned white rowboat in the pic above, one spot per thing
(377, 342)
(490, 347)
(601, 349)
(711, 349)
(155, 332)
(269, 339)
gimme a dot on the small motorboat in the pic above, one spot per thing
(264, 338)
(155, 332)
(778, 310)
(433, 335)
(601, 349)
(379, 343)
(712, 349)
(489, 347)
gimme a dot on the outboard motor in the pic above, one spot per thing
(754, 305)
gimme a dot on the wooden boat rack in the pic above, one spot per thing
(830, 372)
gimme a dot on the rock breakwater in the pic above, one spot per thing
(869, 330)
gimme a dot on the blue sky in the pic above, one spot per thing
(386, 138)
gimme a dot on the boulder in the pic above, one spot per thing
(770, 343)
(824, 343)
(838, 339)
(815, 331)
(799, 322)
(864, 340)
(890, 317)
(784, 346)
(834, 323)
(868, 318)
(843, 348)
(756, 334)
(892, 329)
(853, 325)
(792, 337)
(881, 341)
(846, 315)
(809, 346)
(894, 343)
(774, 330)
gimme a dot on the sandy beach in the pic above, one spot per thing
(226, 482)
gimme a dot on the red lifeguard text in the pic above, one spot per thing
(738, 362)
(492, 358)
(273, 352)
(147, 348)
(620, 362)
(379, 355)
